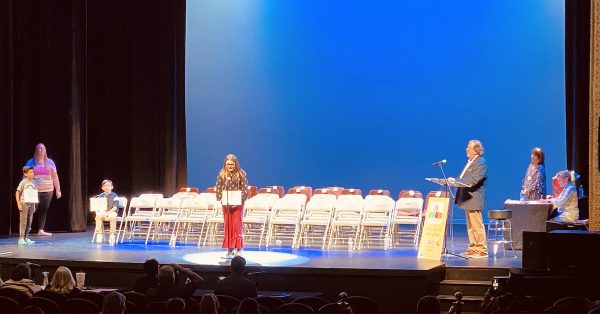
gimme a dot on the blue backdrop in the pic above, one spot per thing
(367, 94)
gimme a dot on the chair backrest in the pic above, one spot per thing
(132, 308)
(409, 206)
(95, 297)
(151, 195)
(228, 302)
(211, 189)
(14, 294)
(351, 202)
(189, 190)
(280, 189)
(135, 297)
(434, 194)
(379, 203)
(269, 302)
(269, 190)
(262, 201)
(157, 307)
(168, 203)
(314, 303)
(351, 192)
(59, 298)
(291, 202)
(336, 190)
(47, 305)
(307, 190)
(252, 191)
(363, 304)
(141, 204)
(9, 305)
(79, 306)
(321, 201)
(379, 192)
(410, 193)
(294, 308)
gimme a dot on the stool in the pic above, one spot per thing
(500, 230)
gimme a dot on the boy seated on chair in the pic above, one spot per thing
(109, 214)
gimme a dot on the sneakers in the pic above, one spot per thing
(44, 233)
(469, 252)
(21, 242)
(111, 239)
(99, 238)
(29, 242)
(478, 255)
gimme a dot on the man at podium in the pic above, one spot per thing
(472, 199)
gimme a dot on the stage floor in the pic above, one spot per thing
(78, 247)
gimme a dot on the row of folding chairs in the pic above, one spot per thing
(331, 216)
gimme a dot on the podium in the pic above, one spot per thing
(436, 230)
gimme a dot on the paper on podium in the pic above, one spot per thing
(98, 204)
(454, 183)
(231, 198)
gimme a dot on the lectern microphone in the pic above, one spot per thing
(437, 163)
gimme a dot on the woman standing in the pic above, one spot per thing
(534, 183)
(232, 178)
(47, 182)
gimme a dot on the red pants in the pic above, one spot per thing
(233, 234)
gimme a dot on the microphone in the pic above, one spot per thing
(437, 163)
(33, 265)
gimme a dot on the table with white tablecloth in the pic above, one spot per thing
(527, 216)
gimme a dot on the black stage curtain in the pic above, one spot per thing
(577, 79)
(101, 83)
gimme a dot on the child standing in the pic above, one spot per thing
(26, 207)
(109, 214)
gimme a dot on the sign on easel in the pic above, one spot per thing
(434, 229)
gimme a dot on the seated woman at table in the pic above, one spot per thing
(534, 182)
(565, 203)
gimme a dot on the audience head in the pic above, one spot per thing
(114, 303)
(238, 264)
(166, 276)
(428, 305)
(22, 271)
(62, 280)
(175, 305)
(151, 267)
(248, 306)
(209, 304)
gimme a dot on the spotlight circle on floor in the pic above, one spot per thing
(252, 257)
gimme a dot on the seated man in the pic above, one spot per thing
(235, 284)
(566, 202)
(21, 280)
(168, 287)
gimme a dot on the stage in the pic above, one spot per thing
(382, 274)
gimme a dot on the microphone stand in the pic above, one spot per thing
(449, 230)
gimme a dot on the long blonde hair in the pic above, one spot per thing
(237, 172)
(62, 280)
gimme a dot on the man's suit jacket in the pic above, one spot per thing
(473, 198)
(235, 285)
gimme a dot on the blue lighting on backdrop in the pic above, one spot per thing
(367, 94)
